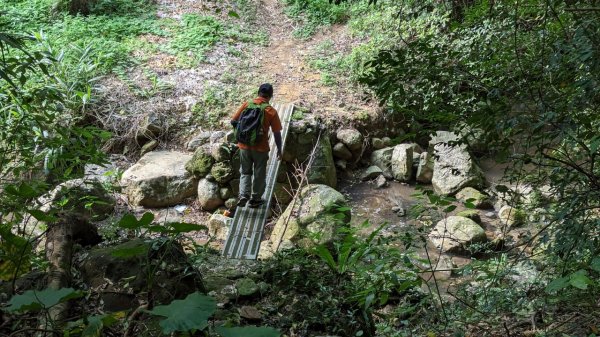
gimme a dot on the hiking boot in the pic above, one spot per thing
(255, 203)
(242, 201)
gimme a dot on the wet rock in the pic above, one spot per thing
(200, 163)
(399, 210)
(381, 182)
(454, 169)
(218, 226)
(341, 151)
(490, 215)
(456, 234)
(313, 219)
(402, 158)
(352, 138)
(416, 148)
(371, 173)
(478, 199)
(425, 168)
(151, 145)
(208, 195)
(383, 159)
(386, 141)
(159, 179)
(222, 172)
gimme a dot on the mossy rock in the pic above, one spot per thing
(222, 172)
(200, 164)
(470, 214)
(246, 287)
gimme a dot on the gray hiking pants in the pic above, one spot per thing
(253, 170)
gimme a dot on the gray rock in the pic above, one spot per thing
(322, 170)
(246, 287)
(443, 137)
(511, 216)
(152, 126)
(225, 193)
(341, 164)
(490, 215)
(371, 173)
(222, 172)
(200, 163)
(425, 168)
(151, 145)
(221, 151)
(383, 159)
(454, 169)
(402, 162)
(217, 136)
(231, 203)
(218, 226)
(313, 219)
(196, 142)
(159, 179)
(456, 233)
(230, 137)
(387, 141)
(377, 143)
(381, 182)
(478, 199)
(352, 138)
(208, 195)
(341, 151)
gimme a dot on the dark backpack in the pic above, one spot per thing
(249, 128)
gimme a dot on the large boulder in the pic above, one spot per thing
(456, 233)
(454, 169)
(383, 159)
(218, 226)
(222, 172)
(312, 219)
(352, 138)
(159, 179)
(322, 170)
(402, 159)
(209, 196)
(200, 163)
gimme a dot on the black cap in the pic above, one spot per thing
(266, 90)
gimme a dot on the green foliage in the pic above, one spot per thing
(189, 314)
(314, 13)
(33, 300)
(248, 331)
(92, 326)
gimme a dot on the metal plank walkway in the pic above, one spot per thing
(245, 233)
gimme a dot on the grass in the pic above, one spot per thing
(114, 28)
(313, 14)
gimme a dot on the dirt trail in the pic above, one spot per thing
(293, 79)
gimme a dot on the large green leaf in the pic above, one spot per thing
(33, 300)
(248, 331)
(580, 280)
(595, 265)
(557, 284)
(191, 313)
(129, 221)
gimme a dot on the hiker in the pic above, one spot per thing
(253, 141)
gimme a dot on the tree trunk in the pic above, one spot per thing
(59, 251)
